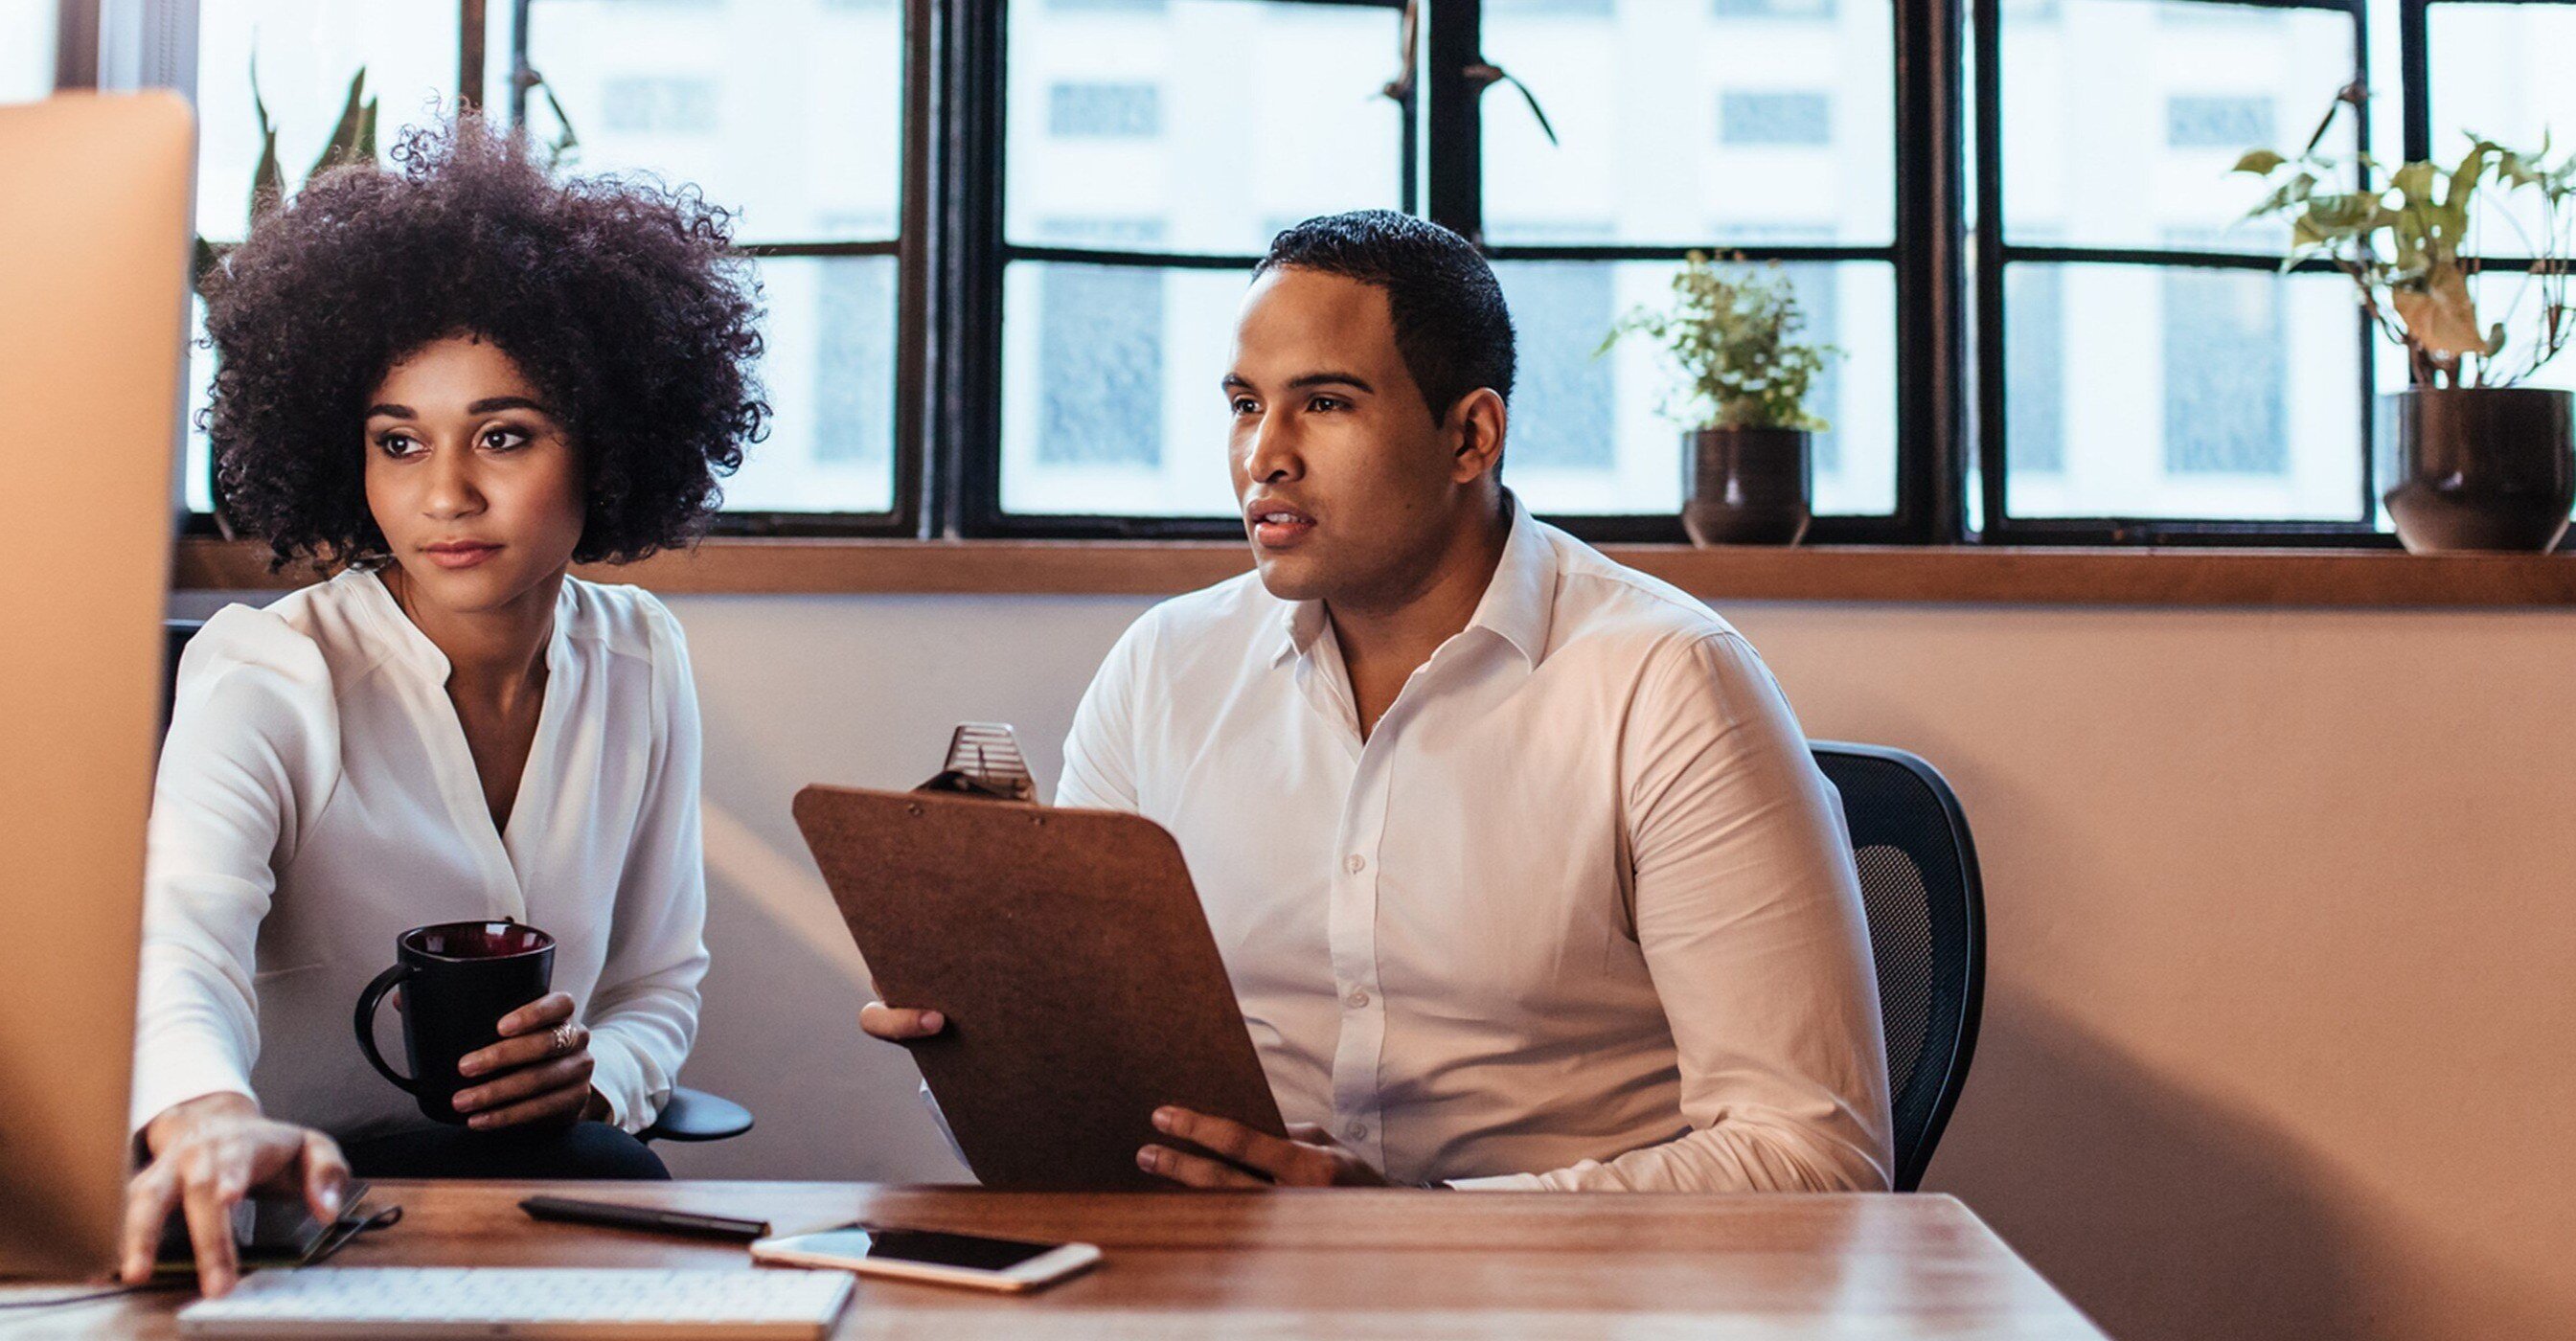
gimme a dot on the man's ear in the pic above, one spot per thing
(1481, 419)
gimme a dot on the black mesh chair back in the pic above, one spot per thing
(175, 634)
(1927, 932)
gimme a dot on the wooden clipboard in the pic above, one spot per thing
(1070, 954)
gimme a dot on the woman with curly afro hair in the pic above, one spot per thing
(449, 380)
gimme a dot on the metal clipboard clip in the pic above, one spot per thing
(984, 759)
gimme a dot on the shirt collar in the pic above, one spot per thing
(1518, 606)
(404, 640)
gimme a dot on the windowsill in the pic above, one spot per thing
(2189, 576)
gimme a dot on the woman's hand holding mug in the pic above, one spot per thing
(540, 1070)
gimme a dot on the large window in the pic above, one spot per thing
(791, 113)
(1002, 242)
(1152, 149)
(1148, 153)
(1764, 131)
(2152, 369)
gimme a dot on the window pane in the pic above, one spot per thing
(1111, 404)
(1587, 434)
(26, 49)
(829, 376)
(1734, 121)
(790, 111)
(1162, 113)
(2121, 118)
(1110, 401)
(2501, 71)
(306, 50)
(2145, 391)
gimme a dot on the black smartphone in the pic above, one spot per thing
(268, 1231)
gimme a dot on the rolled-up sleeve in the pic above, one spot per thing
(1748, 910)
(643, 1016)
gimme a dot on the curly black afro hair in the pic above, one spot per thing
(619, 299)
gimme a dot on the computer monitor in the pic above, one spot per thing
(94, 256)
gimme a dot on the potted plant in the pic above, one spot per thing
(2470, 459)
(1735, 338)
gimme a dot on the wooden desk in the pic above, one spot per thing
(1312, 1263)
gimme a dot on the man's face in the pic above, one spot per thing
(1348, 487)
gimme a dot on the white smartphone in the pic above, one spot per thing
(927, 1255)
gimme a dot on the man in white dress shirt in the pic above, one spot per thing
(1518, 860)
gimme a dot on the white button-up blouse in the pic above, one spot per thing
(1580, 913)
(316, 798)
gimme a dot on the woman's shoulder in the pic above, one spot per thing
(624, 620)
(262, 673)
(291, 635)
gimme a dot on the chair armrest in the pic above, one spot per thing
(695, 1115)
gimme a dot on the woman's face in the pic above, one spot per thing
(470, 477)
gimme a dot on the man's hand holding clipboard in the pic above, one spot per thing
(1061, 985)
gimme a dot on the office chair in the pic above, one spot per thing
(1927, 933)
(690, 1115)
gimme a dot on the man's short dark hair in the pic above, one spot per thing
(1451, 327)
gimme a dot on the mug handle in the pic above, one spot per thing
(368, 1000)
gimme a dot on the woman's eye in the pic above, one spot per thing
(503, 439)
(398, 444)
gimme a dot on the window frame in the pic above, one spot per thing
(1995, 252)
(1951, 395)
(911, 248)
(2415, 77)
(1442, 113)
(977, 110)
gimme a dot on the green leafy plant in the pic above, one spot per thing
(1734, 336)
(2405, 239)
(352, 140)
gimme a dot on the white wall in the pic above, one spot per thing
(2277, 1037)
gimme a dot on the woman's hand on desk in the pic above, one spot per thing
(209, 1153)
(540, 1070)
(1310, 1157)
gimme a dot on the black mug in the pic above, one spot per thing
(458, 979)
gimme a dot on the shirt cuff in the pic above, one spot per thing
(619, 1077)
(1500, 1182)
(192, 1073)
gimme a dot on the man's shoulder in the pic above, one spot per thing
(1221, 622)
(1602, 605)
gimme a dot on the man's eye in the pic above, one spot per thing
(1244, 405)
(1327, 404)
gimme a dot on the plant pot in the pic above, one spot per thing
(2477, 468)
(1746, 486)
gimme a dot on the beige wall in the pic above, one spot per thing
(2277, 1038)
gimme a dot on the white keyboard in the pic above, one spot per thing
(556, 1304)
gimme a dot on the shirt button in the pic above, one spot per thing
(1358, 998)
(1354, 863)
(1358, 1131)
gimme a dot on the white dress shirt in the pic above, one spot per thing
(316, 799)
(1580, 913)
